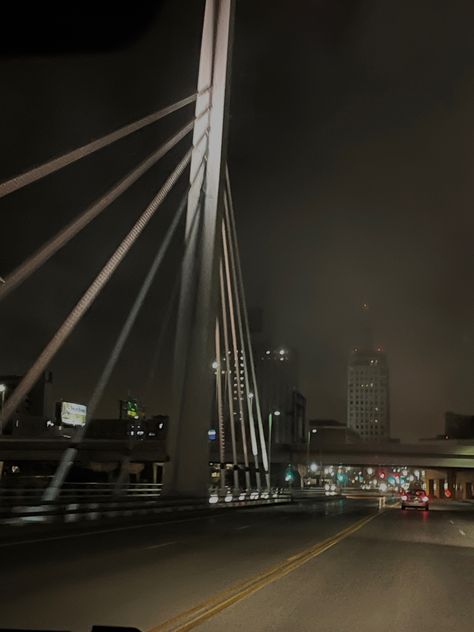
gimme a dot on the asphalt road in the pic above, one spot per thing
(339, 566)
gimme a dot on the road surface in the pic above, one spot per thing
(337, 566)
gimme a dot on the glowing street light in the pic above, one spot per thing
(269, 448)
(3, 390)
(311, 432)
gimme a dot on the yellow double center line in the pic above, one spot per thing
(193, 617)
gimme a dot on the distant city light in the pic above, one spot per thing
(215, 364)
(313, 467)
(282, 352)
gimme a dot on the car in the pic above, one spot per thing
(415, 497)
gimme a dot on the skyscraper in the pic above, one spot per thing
(368, 402)
(368, 406)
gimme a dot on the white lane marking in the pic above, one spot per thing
(451, 521)
(245, 526)
(83, 534)
(159, 546)
(461, 532)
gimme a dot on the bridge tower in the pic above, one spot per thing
(187, 472)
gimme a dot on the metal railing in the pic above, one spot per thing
(98, 501)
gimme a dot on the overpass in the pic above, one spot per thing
(439, 454)
(88, 450)
(442, 454)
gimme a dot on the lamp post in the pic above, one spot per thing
(269, 448)
(311, 432)
(3, 389)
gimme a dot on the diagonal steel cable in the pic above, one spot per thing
(247, 330)
(36, 260)
(194, 225)
(238, 307)
(235, 350)
(134, 311)
(220, 409)
(51, 166)
(70, 453)
(228, 376)
(93, 291)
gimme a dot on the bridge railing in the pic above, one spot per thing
(97, 501)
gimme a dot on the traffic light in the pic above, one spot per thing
(289, 475)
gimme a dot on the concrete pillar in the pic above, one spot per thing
(451, 480)
(187, 472)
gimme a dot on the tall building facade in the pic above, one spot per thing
(277, 377)
(368, 402)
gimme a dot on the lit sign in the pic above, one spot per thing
(132, 409)
(212, 434)
(73, 414)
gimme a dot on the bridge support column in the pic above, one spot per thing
(187, 472)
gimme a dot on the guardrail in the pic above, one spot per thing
(97, 501)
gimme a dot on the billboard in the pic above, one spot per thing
(73, 414)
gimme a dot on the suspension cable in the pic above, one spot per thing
(35, 261)
(220, 413)
(242, 342)
(247, 329)
(132, 316)
(176, 285)
(92, 292)
(236, 356)
(51, 166)
(69, 455)
(228, 374)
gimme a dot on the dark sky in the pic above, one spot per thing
(351, 152)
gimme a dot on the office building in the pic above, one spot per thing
(368, 403)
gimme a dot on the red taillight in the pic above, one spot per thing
(404, 497)
(425, 499)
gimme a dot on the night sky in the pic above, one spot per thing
(351, 152)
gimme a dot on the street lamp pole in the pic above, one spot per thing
(3, 389)
(311, 431)
(269, 447)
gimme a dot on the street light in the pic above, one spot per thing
(311, 431)
(3, 389)
(269, 449)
